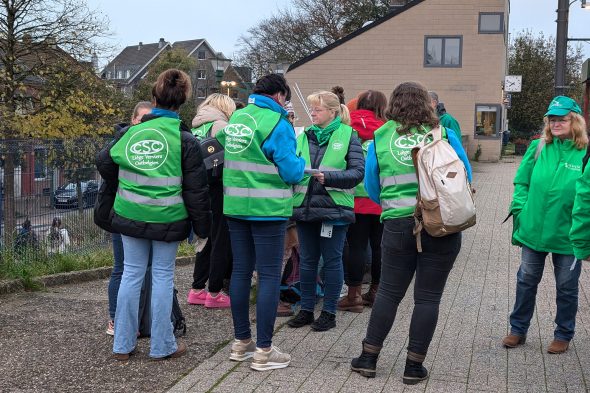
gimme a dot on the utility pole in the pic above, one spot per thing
(561, 46)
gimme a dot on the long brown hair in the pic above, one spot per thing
(409, 105)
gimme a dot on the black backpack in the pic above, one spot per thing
(212, 153)
(145, 299)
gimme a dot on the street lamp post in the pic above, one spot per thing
(563, 8)
(228, 84)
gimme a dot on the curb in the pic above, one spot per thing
(12, 286)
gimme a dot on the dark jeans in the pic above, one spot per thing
(214, 262)
(311, 247)
(400, 262)
(116, 273)
(567, 275)
(367, 229)
(256, 245)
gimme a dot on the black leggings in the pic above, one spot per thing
(214, 262)
(366, 230)
(401, 261)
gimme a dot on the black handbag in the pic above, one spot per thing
(212, 153)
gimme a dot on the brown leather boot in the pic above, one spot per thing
(369, 297)
(558, 346)
(513, 341)
(285, 310)
(352, 302)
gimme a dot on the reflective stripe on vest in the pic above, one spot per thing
(144, 200)
(149, 156)
(397, 175)
(149, 181)
(252, 184)
(334, 160)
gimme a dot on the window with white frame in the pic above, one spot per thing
(201, 55)
(201, 92)
(443, 51)
(201, 74)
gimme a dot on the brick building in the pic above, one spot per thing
(456, 48)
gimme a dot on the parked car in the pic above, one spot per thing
(66, 196)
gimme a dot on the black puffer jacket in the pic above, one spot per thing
(318, 205)
(195, 193)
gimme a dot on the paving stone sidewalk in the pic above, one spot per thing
(465, 354)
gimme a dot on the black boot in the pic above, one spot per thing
(325, 321)
(414, 371)
(366, 364)
(301, 319)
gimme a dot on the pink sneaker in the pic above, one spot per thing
(197, 296)
(220, 301)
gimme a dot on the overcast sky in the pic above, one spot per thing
(222, 22)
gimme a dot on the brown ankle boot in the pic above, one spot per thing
(558, 346)
(513, 341)
(352, 302)
(369, 297)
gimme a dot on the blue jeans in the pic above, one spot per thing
(566, 282)
(137, 254)
(311, 247)
(256, 245)
(116, 273)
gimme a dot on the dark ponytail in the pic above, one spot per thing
(172, 88)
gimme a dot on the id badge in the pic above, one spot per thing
(326, 230)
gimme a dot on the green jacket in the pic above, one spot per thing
(543, 199)
(450, 122)
(580, 232)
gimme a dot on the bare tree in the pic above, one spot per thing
(306, 27)
(34, 36)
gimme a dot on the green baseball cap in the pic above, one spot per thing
(561, 106)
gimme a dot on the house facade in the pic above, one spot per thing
(128, 68)
(457, 49)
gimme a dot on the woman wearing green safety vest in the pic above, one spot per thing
(213, 263)
(390, 179)
(260, 165)
(157, 172)
(324, 204)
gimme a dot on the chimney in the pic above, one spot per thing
(397, 4)
(140, 45)
(161, 43)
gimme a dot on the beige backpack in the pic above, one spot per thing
(445, 200)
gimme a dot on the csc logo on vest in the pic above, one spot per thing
(337, 145)
(147, 149)
(239, 136)
(401, 147)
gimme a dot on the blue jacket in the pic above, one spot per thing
(372, 184)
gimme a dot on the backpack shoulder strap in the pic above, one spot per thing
(585, 159)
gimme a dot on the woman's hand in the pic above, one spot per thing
(319, 177)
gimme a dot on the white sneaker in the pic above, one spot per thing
(240, 351)
(111, 328)
(269, 360)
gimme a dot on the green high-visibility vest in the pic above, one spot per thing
(334, 159)
(150, 172)
(359, 190)
(203, 131)
(251, 182)
(397, 175)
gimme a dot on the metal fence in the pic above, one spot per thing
(45, 182)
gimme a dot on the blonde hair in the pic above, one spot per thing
(220, 101)
(330, 101)
(579, 134)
